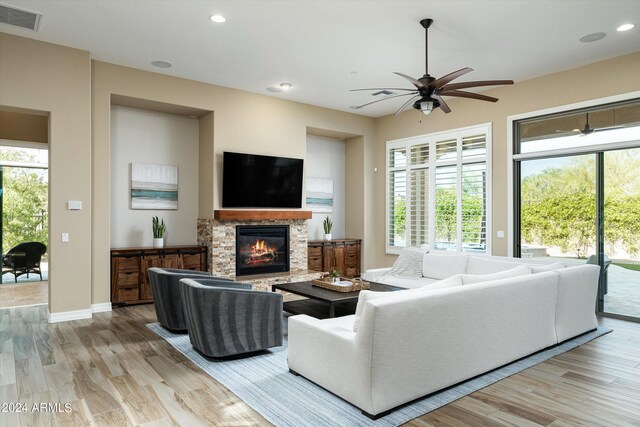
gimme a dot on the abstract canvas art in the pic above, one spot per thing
(154, 186)
(320, 195)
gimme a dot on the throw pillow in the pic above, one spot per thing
(521, 270)
(409, 263)
(449, 282)
(362, 300)
(545, 267)
(441, 266)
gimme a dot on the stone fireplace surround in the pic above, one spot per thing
(219, 235)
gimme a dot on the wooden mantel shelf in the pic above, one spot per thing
(247, 215)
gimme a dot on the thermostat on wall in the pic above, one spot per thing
(74, 205)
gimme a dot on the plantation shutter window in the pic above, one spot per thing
(396, 211)
(438, 190)
(474, 210)
(446, 208)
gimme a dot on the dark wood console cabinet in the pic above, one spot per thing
(129, 280)
(342, 255)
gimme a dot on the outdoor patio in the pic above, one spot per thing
(8, 278)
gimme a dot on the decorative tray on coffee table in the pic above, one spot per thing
(342, 285)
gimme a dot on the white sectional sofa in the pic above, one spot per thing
(406, 344)
(436, 266)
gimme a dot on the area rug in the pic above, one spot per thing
(263, 381)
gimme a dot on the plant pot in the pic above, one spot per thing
(327, 236)
(158, 243)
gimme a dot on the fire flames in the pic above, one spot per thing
(260, 253)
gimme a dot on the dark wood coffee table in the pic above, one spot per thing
(317, 299)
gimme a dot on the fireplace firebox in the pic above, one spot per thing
(262, 249)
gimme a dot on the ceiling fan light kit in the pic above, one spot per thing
(428, 92)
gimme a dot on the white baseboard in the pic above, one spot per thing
(101, 307)
(66, 316)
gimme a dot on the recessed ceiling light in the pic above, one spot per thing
(593, 37)
(285, 86)
(274, 89)
(218, 19)
(625, 27)
(161, 64)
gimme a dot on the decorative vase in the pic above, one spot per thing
(158, 242)
(327, 236)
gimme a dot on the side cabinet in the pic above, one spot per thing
(129, 278)
(342, 255)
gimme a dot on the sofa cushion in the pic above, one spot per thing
(363, 297)
(545, 267)
(521, 270)
(441, 266)
(480, 265)
(409, 263)
(449, 282)
(405, 282)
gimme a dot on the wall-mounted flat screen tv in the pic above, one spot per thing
(254, 181)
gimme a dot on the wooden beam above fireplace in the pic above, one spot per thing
(248, 215)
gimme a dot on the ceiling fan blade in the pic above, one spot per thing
(406, 104)
(383, 99)
(471, 95)
(413, 81)
(455, 86)
(443, 105)
(386, 88)
(437, 84)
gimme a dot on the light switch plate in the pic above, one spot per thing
(500, 234)
(74, 205)
(65, 237)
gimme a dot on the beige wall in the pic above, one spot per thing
(57, 80)
(612, 77)
(24, 127)
(240, 121)
(326, 159)
(152, 137)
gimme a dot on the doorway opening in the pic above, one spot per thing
(24, 223)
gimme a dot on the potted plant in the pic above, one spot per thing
(328, 225)
(159, 231)
(335, 276)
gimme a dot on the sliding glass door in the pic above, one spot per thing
(577, 196)
(558, 208)
(621, 243)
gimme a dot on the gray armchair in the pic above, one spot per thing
(165, 286)
(226, 319)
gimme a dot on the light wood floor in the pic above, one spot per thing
(24, 294)
(114, 371)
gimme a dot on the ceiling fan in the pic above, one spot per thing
(428, 91)
(588, 130)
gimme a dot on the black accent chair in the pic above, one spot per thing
(167, 299)
(24, 259)
(229, 319)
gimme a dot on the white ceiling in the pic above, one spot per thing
(318, 45)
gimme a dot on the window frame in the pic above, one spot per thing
(432, 163)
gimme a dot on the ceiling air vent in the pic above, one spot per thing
(22, 18)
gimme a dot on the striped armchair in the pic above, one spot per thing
(227, 319)
(165, 286)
